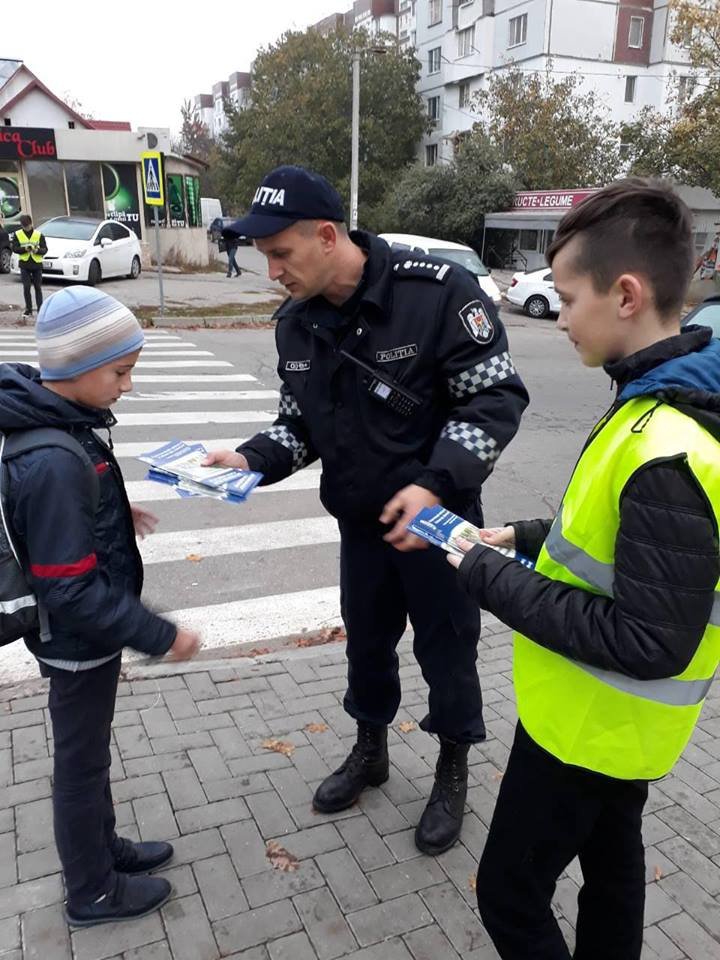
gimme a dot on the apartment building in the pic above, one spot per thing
(210, 107)
(621, 48)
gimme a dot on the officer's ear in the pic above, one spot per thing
(327, 233)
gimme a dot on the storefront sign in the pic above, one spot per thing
(192, 196)
(9, 199)
(121, 194)
(176, 199)
(27, 143)
(549, 199)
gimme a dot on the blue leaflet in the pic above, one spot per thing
(180, 465)
(443, 529)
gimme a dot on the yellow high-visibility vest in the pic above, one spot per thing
(29, 254)
(588, 717)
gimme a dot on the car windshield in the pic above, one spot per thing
(709, 316)
(466, 258)
(68, 229)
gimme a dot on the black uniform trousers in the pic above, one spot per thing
(379, 589)
(547, 813)
(82, 705)
(31, 277)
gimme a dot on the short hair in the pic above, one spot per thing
(636, 225)
(25, 220)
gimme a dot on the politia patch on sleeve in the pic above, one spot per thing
(477, 322)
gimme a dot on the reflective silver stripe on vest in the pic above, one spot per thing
(12, 606)
(675, 693)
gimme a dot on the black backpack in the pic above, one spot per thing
(20, 612)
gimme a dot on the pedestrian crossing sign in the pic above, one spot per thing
(153, 178)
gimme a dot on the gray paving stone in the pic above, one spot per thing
(385, 817)
(183, 741)
(295, 947)
(151, 951)
(694, 900)
(209, 764)
(689, 827)
(180, 704)
(213, 814)
(346, 880)
(29, 896)
(182, 879)
(430, 943)
(184, 789)
(133, 742)
(270, 814)
(458, 922)
(407, 877)
(19, 794)
(13, 721)
(39, 863)
(244, 766)
(109, 939)
(393, 949)
(461, 866)
(29, 743)
(32, 769)
(655, 830)
(661, 945)
(306, 816)
(272, 885)
(154, 818)
(324, 924)
(6, 768)
(10, 934)
(162, 763)
(310, 764)
(158, 722)
(694, 863)
(689, 798)
(220, 887)
(237, 786)
(246, 847)
(696, 943)
(312, 841)
(402, 844)
(46, 935)
(254, 953)
(256, 927)
(7, 821)
(388, 919)
(230, 742)
(197, 846)
(367, 846)
(291, 787)
(135, 787)
(188, 930)
(200, 686)
(33, 823)
(8, 860)
(658, 904)
(225, 705)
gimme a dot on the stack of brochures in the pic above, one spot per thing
(443, 528)
(180, 465)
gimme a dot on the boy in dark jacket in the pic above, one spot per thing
(85, 569)
(618, 629)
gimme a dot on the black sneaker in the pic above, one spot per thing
(143, 857)
(132, 898)
(27, 314)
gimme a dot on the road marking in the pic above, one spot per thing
(194, 416)
(133, 449)
(261, 619)
(193, 378)
(147, 491)
(240, 538)
(187, 395)
(13, 354)
(169, 364)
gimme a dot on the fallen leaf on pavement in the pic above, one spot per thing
(316, 727)
(279, 746)
(280, 858)
(320, 637)
(194, 557)
(498, 775)
(406, 726)
(658, 873)
(472, 883)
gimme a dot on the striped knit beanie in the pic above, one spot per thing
(80, 329)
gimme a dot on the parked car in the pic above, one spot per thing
(446, 250)
(219, 224)
(5, 251)
(534, 292)
(87, 250)
(706, 314)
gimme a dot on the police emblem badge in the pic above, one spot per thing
(477, 322)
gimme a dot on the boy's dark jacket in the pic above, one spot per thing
(86, 570)
(666, 560)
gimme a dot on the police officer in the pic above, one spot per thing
(395, 374)
(30, 246)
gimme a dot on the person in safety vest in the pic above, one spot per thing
(30, 246)
(618, 627)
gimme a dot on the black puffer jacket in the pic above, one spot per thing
(84, 568)
(667, 560)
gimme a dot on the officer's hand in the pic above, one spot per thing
(187, 644)
(143, 521)
(226, 458)
(405, 505)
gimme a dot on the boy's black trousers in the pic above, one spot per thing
(547, 813)
(81, 706)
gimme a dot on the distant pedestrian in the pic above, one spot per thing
(231, 245)
(30, 246)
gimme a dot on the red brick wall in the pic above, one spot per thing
(623, 52)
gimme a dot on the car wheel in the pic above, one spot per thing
(94, 273)
(135, 268)
(5, 258)
(537, 306)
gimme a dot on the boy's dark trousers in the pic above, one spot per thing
(32, 277)
(547, 813)
(82, 705)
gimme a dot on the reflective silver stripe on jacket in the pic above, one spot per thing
(288, 406)
(286, 438)
(12, 606)
(475, 440)
(676, 693)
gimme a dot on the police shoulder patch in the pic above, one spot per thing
(476, 321)
(425, 267)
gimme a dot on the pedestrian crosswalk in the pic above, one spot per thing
(242, 574)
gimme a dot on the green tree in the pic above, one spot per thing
(300, 112)
(194, 138)
(549, 133)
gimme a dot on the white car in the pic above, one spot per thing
(534, 292)
(87, 250)
(445, 250)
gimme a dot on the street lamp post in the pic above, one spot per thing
(355, 148)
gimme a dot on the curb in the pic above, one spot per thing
(239, 320)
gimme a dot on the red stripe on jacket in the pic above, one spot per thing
(102, 467)
(65, 569)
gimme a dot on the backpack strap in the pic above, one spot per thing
(23, 441)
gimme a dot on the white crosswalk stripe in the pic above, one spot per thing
(194, 417)
(194, 395)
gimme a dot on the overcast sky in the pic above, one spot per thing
(138, 61)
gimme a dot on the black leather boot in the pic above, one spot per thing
(367, 765)
(440, 824)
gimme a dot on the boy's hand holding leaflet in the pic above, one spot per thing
(447, 530)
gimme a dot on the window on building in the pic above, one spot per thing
(84, 191)
(7, 121)
(636, 32)
(433, 108)
(46, 186)
(71, 124)
(431, 155)
(464, 94)
(624, 151)
(518, 30)
(630, 82)
(686, 88)
(434, 60)
(701, 240)
(488, 8)
(434, 12)
(466, 41)
(529, 239)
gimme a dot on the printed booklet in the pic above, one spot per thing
(443, 529)
(180, 465)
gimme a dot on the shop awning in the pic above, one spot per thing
(523, 220)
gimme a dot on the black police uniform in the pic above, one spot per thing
(427, 326)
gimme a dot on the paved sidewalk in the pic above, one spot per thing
(222, 760)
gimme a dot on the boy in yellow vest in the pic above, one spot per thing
(30, 246)
(618, 628)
